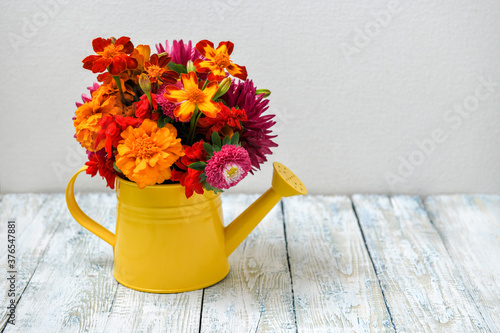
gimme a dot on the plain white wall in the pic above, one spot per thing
(369, 94)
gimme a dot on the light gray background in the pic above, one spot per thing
(360, 87)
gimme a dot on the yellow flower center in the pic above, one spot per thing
(144, 148)
(111, 50)
(231, 172)
(222, 60)
(155, 71)
(195, 95)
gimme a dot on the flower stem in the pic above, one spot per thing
(192, 125)
(205, 84)
(119, 85)
(194, 120)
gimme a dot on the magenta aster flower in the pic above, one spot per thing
(86, 98)
(179, 52)
(167, 106)
(257, 136)
(228, 166)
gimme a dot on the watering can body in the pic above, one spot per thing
(167, 243)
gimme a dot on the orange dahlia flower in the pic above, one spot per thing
(218, 60)
(114, 54)
(192, 96)
(147, 153)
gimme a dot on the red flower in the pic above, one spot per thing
(143, 108)
(226, 122)
(190, 178)
(99, 162)
(218, 60)
(112, 54)
(111, 128)
(158, 70)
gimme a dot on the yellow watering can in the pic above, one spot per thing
(166, 243)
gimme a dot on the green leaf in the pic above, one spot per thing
(208, 148)
(203, 177)
(216, 139)
(116, 168)
(200, 166)
(181, 69)
(235, 139)
(162, 121)
(209, 187)
(226, 141)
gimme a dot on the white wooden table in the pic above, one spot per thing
(315, 264)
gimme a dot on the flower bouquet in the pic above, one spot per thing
(185, 115)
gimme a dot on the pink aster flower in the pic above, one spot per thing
(179, 52)
(167, 106)
(86, 98)
(228, 166)
(257, 137)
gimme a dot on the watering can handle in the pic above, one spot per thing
(81, 217)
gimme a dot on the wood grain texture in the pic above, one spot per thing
(420, 281)
(437, 268)
(72, 288)
(470, 229)
(256, 295)
(33, 233)
(334, 284)
(135, 311)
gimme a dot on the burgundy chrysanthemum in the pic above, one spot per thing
(257, 136)
(179, 52)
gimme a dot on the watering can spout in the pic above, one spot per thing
(285, 184)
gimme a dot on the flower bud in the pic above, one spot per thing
(266, 92)
(190, 67)
(224, 86)
(145, 83)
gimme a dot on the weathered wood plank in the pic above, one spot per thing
(72, 288)
(32, 236)
(420, 282)
(334, 284)
(470, 229)
(490, 203)
(135, 311)
(256, 295)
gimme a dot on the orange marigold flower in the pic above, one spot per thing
(147, 153)
(141, 53)
(192, 96)
(114, 54)
(158, 70)
(218, 60)
(89, 115)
